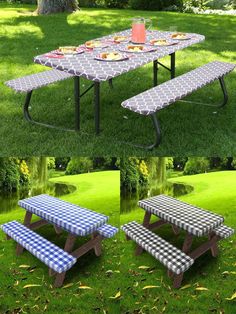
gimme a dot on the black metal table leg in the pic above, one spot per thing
(97, 106)
(172, 65)
(155, 73)
(77, 102)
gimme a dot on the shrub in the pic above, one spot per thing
(116, 3)
(79, 165)
(196, 165)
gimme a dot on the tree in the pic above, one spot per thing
(196, 165)
(56, 6)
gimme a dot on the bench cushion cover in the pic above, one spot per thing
(37, 80)
(50, 254)
(171, 91)
(224, 231)
(171, 257)
(107, 231)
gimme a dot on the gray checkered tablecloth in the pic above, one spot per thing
(194, 220)
(72, 218)
(85, 66)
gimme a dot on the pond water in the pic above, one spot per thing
(129, 200)
(8, 202)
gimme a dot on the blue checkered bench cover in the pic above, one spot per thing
(72, 218)
(224, 231)
(161, 96)
(107, 231)
(47, 252)
(171, 257)
(31, 82)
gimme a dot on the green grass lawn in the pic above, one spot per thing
(185, 127)
(99, 192)
(216, 192)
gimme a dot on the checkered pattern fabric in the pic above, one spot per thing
(194, 220)
(107, 231)
(47, 252)
(37, 80)
(72, 218)
(171, 91)
(224, 231)
(86, 66)
(171, 257)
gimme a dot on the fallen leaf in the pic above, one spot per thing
(117, 296)
(143, 267)
(150, 287)
(68, 285)
(24, 266)
(185, 287)
(31, 285)
(232, 297)
(201, 289)
(85, 287)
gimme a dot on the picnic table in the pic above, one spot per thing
(84, 65)
(197, 222)
(76, 220)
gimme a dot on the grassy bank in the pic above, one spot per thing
(213, 191)
(99, 192)
(185, 127)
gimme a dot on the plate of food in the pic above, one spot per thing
(68, 50)
(111, 56)
(93, 44)
(121, 39)
(138, 49)
(162, 42)
(180, 36)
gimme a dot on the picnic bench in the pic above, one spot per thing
(151, 101)
(195, 221)
(75, 220)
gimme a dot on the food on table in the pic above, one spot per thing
(68, 49)
(179, 36)
(111, 56)
(159, 42)
(93, 44)
(119, 39)
(136, 48)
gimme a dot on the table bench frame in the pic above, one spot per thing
(211, 244)
(95, 243)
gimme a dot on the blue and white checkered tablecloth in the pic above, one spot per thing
(72, 218)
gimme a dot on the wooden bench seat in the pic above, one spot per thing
(224, 232)
(151, 101)
(174, 259)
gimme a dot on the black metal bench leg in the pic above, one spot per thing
(97, 106)
(172, 65)
(29, 118)
(225, 94)
(224, 90)
(111, 83)
(155, 73)
(77, 102)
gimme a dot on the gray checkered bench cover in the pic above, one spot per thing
(107, 231)
(31, 82)
(224, 231)
(171, 257)
(159, 97)
(51, 255)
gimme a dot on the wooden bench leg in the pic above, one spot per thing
(175, 230)
(97, 246)
(27, 220)
(187, 243)
(59, 280)
(178, 280)
(214, 247)
(146, 223)
(58, 230)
